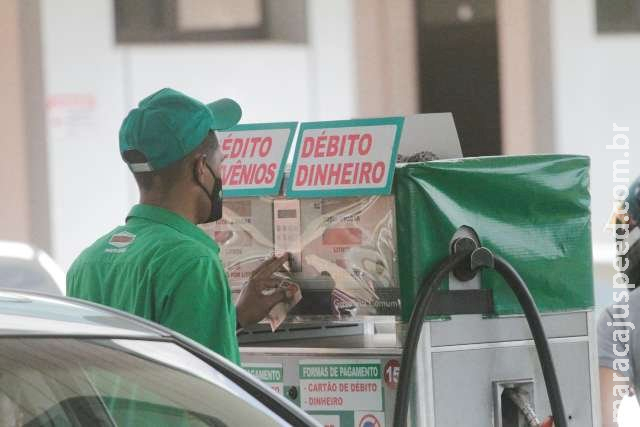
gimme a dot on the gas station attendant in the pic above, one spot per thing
(160, 265)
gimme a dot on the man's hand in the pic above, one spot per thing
(262, 292)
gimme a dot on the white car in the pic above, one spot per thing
(27, 268)
(66, 362)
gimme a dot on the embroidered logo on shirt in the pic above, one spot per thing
(120, 241)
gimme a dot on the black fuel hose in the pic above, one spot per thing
(423, 300)
(519, 288)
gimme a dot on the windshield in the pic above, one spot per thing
(101, 382)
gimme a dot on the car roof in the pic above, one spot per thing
(27, 313)
(28, 268)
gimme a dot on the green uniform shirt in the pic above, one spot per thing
(164, 268)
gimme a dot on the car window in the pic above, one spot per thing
(101, 382)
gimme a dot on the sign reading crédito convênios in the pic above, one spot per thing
(349, 157)
(255, 158)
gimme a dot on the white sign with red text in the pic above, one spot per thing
(342, 158)
(255, 157)
(340, 385)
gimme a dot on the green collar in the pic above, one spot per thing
(173, 220)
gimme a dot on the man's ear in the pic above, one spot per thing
(199, 168)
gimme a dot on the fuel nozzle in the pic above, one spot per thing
(466, 240)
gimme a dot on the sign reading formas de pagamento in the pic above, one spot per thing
(340, 385)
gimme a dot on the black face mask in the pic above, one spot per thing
(215, 197)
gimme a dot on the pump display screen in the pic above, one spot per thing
(342, 237)
(287, 214)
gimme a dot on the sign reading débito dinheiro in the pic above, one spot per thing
(340, 385)
(348, 157)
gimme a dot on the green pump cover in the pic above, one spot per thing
(531, 210)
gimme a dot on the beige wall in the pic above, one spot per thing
(524, 43)
(386, 60)
(516, 76)
(14, 185)
(24, 189)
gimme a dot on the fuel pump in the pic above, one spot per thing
(415, 309)
(466, 259)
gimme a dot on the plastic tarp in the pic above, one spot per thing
(531, 210)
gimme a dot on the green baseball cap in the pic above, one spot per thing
(168, 125)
